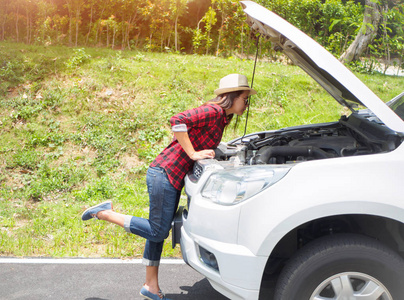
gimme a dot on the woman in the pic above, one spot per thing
(196, 133)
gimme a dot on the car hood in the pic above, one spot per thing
(321, 65)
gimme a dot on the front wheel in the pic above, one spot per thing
(343, 267)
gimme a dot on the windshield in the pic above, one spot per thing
(397, 105)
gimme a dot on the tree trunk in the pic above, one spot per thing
(162, 37)
(77, 25)
(368, 31)
(3, 29)
(113, 37)
(127, 31)
(107, 35)
(123, 35)
(29, 25)
(91, 24)
(242, 40)
(131, 21)
(70, 28)
(16, 24)
(176, 32)
(98, 33)
(220, 33)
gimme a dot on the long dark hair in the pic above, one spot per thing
(226, 101)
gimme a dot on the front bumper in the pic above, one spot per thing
(239, 272)
(208, 234)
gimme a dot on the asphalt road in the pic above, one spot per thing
(94, 279)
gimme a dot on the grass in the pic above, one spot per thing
(79, 126)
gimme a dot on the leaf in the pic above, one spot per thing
(334, 22)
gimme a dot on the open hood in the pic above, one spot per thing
(321, 65)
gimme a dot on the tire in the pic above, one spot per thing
(343, 267)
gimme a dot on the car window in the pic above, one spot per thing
(397, 105)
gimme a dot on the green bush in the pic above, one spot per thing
(77, 59)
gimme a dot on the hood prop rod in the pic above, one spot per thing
(252, 84)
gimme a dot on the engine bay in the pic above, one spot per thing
(358, 134)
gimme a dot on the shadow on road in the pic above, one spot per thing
(201, 290)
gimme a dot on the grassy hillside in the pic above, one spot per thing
(78, 126)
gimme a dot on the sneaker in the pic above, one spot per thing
(91, 212)
(147, 295)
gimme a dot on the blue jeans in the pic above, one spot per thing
(164, 199)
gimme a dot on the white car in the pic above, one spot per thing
(319, 207)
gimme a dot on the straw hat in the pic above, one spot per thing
(234, 83)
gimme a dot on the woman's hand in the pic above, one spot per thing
(202, 154)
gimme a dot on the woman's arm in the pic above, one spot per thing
(185, 142)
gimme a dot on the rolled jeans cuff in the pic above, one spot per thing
(150, 263)
(126, 223)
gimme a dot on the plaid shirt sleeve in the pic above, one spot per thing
(202, 116)
(205, 126)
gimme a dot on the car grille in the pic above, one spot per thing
(198, 170)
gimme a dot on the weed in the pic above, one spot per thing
(47, 179)
(96, 191)
(25, 158)
(149, 143)
(105, 164)
(77, 59)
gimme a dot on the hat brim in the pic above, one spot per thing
(235, 89)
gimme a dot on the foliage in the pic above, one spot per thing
(77, 59)
(303, 14)
(203, 26)
(390, 42)
(339, 24)
(209, 19)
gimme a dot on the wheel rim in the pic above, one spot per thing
(351, 285)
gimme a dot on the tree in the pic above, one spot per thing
(74, 7)
(4, 16)
(30, 9)
(209, 19)
(223, 5)
(102, 8)
(129, 15)
(366, 34)
(112, 25)
(90, 4)
(46, 9)
(17, 4)
(178, 7)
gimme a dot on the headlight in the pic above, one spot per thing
(232, 186)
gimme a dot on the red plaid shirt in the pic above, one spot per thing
(205, 129)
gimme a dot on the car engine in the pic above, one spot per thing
(358, 134)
